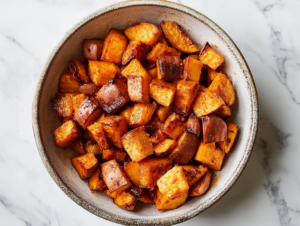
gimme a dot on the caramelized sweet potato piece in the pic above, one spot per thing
(153, 72)
(185, 96)
(223, 112)
(63, 104)
(164, 148)
(163, 40)
(153, 125)
(137, 144)
(207, 102)
(125, 200)
(145, 197)
(139, 88)
(151, 169)
(135, 68)
(92, 147)
(173, 126)
(158, 137)
(186, 148)
(162, 112)
(193, 173)
(92, 49)
(169, 67)
(126, 112)
(201, 186)
(114, 154)
(66, 134)
(88, 88)
(232, 131)
(144, 32)
(85, 165)
(211, 75)
(193, 125)
(115, 127)
(113, 96)
(114, 176)
(96, 183)
(114, 46)
(132, 170)
(68, 83)
(78, 70)
(101, 72)
(222, 86)
(135, 50)
(192, 69)
(112, 195)
(177, 37)
(163, 202)
(214, 129)
(97, 132)
(162, 92)
(210, 57)
(161, 49)
(87, 113)
(210, 155)
(141, 114)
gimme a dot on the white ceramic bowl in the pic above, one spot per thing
(120, 16)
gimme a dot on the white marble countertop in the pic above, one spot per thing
(267, 33)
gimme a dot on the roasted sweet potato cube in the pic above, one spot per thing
(137, 144)
(97, 132)
(79, 71)
(161, 49)
(210, 155)
(185, 96)
(88, 88)
(101, 72)
(114, 127)
(162, 112)
(141, 114)
(210, 57)
(163, 40)
(193, 125)
(111, 195)
(192, 69)
(178, 38)
(139, 88)
(144, 32)
(169, 67)
(232, 131)
(132, 170)
(87, 113)
(85, 165)
(135, 50)
(186, 148)
(211, 75)
(222, 86)
(77, 101)
(103, 116)
(158, 137)
(67, 133)
(207, 102)
(223, 112)
(126, 112)
(135, 68)
(163, 202)
(114, 154)
(92, 147)
(92, 49)
(202, 185)
(153, 125)
(114, 46)
(153, 72)
(68, 83)
(173, 183)
(173, 126)
(113, 96)
(78, 147)
(214, 129)
(163, 92)
(194, 173)
(151, 169)
(96, 183)
(145, 197)
(125, 200)
(63, 104)
(114, 176)
(164, 148)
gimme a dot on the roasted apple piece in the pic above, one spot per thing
(137, 144)
(63, 104)
(173, 126)
(97, 132)
(101, 72)
(193, 125)
(151, 169)
(164, 148)
(114, 154)
(185, 96)
(163, 92)
(114, 46)
(232, 131)
(177, 37)
(132, 170)
(214, 129)
(161, 49)
(186, 148)
(113, 96)
(192, 69)
(96, 183)
(210, 155)
(158, 137)
(141, 114)
(144, 32)
(85, 165)
(194, 173)
(135, 50)
(210, 57)
(125, 200)
(78, 70)
(202, 185)
(139, 88)
(92, 49)
(68, 83)
(135, 68)
(169, 67)
(66, 134)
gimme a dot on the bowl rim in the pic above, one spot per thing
(157, 221)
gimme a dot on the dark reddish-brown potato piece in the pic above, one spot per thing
(214, 129)
(79, 71)
(87, 88)
(92, 49)
(202, 185)
(169, 67)
(193, 125)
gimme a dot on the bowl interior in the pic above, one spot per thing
(200, 31)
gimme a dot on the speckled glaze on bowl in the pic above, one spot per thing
(120, 16)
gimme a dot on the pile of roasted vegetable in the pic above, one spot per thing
(148, 118)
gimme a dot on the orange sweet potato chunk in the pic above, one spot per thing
(158, 137)
(173, 126)
(161, 49)
(232, 131)
(223, 112)
(163, 92)
(63, 104)
(141, 114)
(125, 200)
(164, 148)
(162, 112)
(96, 183)
(145, 197)
(68, 83)
(210, 57)
(85, 165)
(79, 71)
(77, 101)
(132, 170)
(193, 125)
(202, 185)
(194, 173)
(135, 50)
(192, 69)
(97, 132)
(101, 72)
(135, 68)
(126, 112)
(139, 88)
(92, 49)
(114, 154)
(66, 134)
